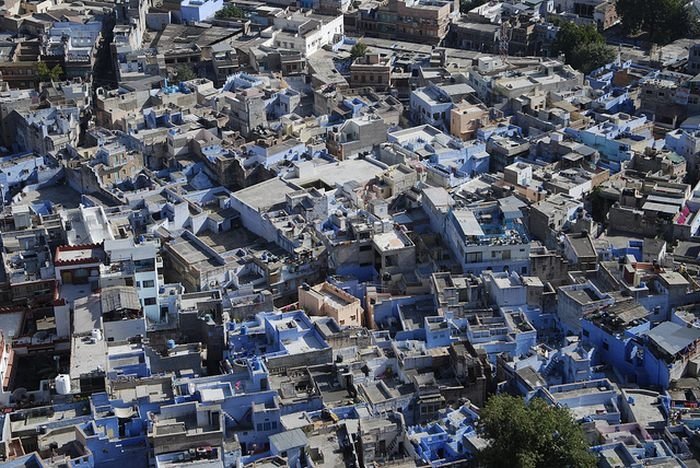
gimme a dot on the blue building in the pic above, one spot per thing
(623, 338)
(244, 397)
(646, 453)
(283, 339)
(18, 169)
(616, 139)
(448, 160)
(450, 440)
(490, 235)
(592, 400)
(193, 11)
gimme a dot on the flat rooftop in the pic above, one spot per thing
(582, 295)
(87, 311)
(265, 195)
(392, 240)
(582, 245)
(194, 254)
(330, 296)
(304, 344)
(87, 355)
(335, 174)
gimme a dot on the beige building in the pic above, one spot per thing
(466, 119)
(330, 301)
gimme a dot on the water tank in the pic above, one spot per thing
(96, 334)
(62, 384)
(170, 344)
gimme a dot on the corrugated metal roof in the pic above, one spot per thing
(673, 338)
(118, 298)
(288, 440)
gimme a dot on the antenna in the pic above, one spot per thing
(504, 40)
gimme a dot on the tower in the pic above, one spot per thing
(504, 40)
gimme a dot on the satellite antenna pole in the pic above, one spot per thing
(504, 40)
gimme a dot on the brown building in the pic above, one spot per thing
(18, 68)
(425, 21)
(373, 70)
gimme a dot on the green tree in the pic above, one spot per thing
(534, 435)
(230, 11)
(56, 72)
(663, 20)
(185, 73)
(43, 71)
(49, 74)
(588, 57)
(583, 46)
(358, 50)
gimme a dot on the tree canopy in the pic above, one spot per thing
(230, 11)
(664, 20)
(583, 46)
(358, 50)
(185, 73)
(534, 435)
(46, 74)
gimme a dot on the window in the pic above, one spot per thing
(148, 284)
(605, 345)
(149, 301)
(585, 333)
(474, 257)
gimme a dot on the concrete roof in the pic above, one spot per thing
(266, 194)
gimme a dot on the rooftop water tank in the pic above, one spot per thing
(62, 384)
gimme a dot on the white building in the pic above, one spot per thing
(131, 262)
(685, 142)
(505, 288)
(87, 225)
(306, 32)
